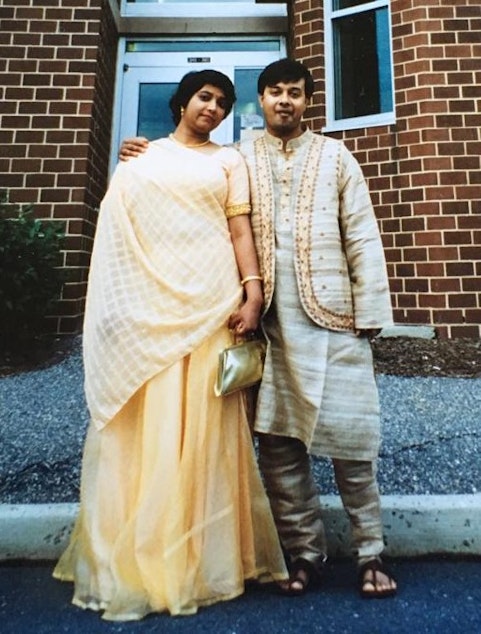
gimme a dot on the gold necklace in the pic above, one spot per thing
(172, 138)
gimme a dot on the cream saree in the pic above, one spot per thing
(173, 515)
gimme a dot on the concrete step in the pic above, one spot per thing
(414, 525)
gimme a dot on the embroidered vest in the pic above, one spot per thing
(326, 278)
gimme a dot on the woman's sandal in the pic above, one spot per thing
(375, 566)
(304, 574)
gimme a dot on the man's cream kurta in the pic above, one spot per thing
(324, 276)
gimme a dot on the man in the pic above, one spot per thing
(326, 292)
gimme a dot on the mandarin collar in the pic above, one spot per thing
(292, 144)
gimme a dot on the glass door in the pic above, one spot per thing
(149, 77)
(145, 103)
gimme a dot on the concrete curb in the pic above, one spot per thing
(414, 525)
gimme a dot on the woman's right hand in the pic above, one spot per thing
(131, 148)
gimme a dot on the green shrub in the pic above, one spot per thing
(30, 270)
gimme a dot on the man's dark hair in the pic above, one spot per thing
(193, 82)
(285, 70)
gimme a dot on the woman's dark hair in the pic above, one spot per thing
(285, 70)
(193, 82)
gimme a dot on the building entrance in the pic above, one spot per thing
(150, 71)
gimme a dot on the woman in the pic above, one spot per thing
(173, 515)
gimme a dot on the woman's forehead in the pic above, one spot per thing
(214, 90)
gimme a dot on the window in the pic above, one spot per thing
(359, 77)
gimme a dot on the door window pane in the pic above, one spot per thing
(154, 118)
(204, 46)
(248, 119)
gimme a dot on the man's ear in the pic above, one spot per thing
(261, 100)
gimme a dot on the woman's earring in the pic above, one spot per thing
(182, 110)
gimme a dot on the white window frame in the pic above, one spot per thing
(351, 123)
(194, 9)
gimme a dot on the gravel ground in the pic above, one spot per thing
(431, 434)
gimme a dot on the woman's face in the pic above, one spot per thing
(205, 110)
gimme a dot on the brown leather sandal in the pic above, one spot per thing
(304, 573)
(375, 566)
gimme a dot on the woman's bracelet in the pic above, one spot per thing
(248, 278)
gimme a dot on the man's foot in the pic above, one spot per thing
(302, 576)
(375, 581)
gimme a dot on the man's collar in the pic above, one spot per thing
(292, 144)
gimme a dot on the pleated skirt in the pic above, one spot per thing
(173, 514)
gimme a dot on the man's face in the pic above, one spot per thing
(284, 105)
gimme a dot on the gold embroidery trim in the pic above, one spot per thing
(304, 208)
(265, 210)
(237, 210)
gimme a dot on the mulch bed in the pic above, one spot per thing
(413, 356)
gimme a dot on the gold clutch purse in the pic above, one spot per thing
(240, 366)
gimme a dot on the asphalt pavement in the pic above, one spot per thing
(436, 596)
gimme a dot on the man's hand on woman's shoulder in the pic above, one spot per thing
(131, 148)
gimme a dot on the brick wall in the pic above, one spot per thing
(57, 68)
(424, 172)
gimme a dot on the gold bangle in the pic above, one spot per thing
(251, 277)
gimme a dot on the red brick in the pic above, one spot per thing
(432, 301)
(470, 253)
(460, 269)
(455, 207)
(418, 317)
(407, 300)
(440, 222)
(473, 316)
(447, 317)
(445, 285)
(412, 224)
(32, 107)
(60, 136)
(404, 240)
(439, 193)
(428, 238)
(416, 285)
(458, 237)
(29, 136)
(63, 107)
(469, 222)
(59, 14)
(40, 180)
(405, 270)
(8, 107)
(466, 331)
(55, 195)
(445, 254)
(57, 165)
(464, 300)
(24, 196)
(453, 178)
(430, 269)
(466, 163)
(46, 122)
(471, 284)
